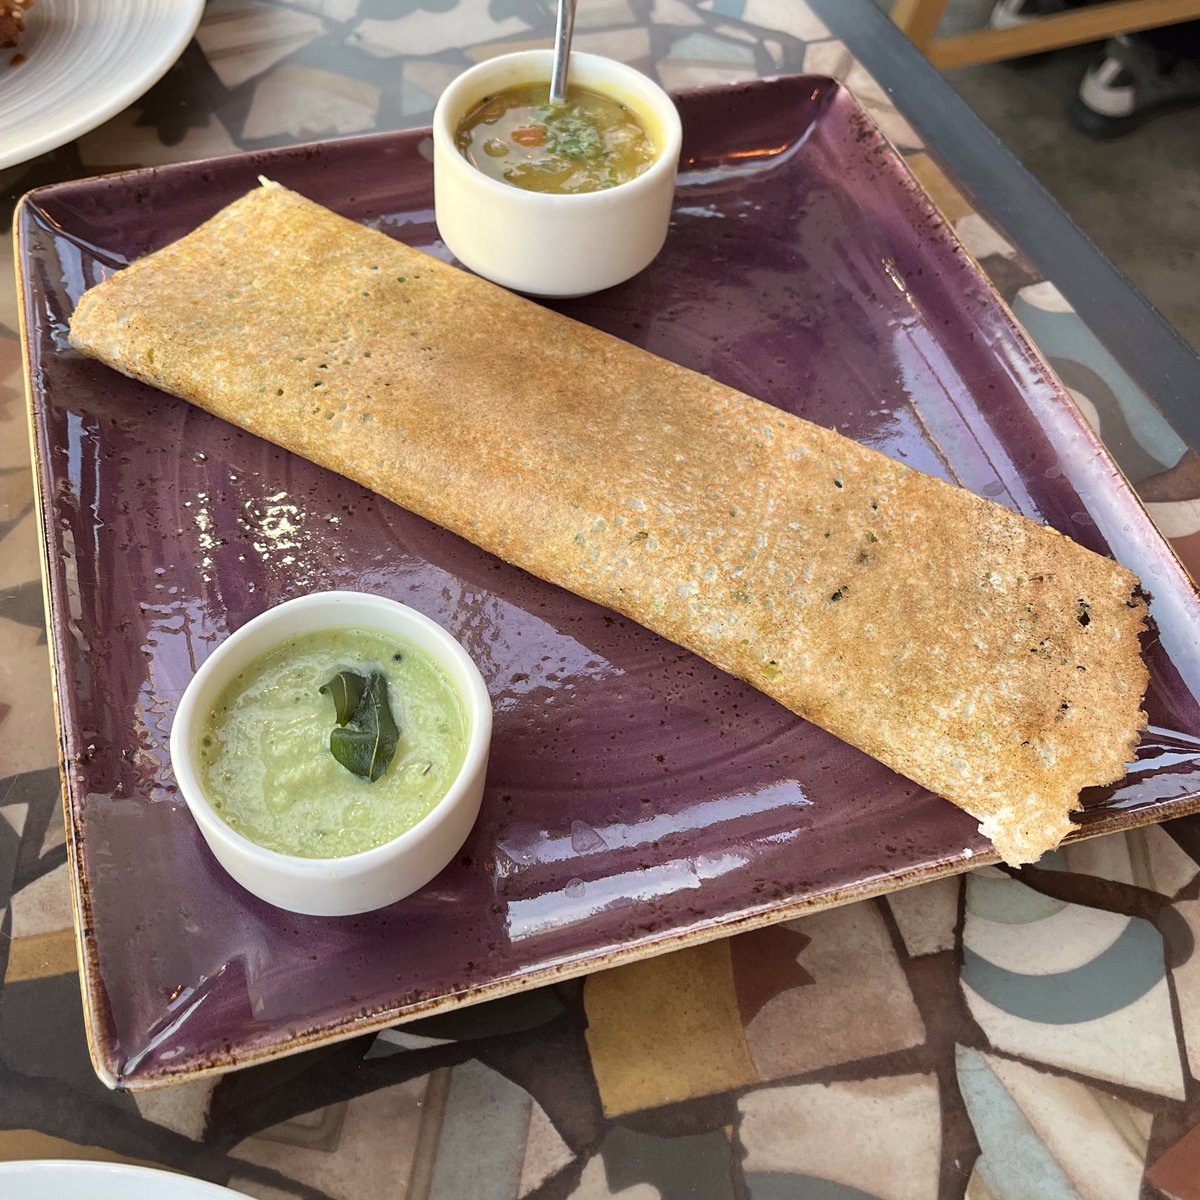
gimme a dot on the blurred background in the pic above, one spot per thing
(1112, 130)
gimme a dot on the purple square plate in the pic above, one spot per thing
(638, 799)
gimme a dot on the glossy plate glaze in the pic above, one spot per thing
(638, 799)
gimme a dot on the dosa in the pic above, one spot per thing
(986, 657)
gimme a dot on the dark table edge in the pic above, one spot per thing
(1127, 324)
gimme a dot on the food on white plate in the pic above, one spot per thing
(12, 21)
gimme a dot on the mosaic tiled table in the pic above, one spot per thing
(986, 1036)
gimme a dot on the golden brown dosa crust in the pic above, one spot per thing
(988, 658)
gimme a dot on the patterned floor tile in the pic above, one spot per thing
(708, 48)
(1187, 548)
(1013, 1163)
(430, 76)
(260, 1190)
(700, 59)
(735, 33)
(483, 1136)
(896, 129)
(950, 201)
(41, 955)
(1096, 1142)
(24, 605)
(604, 14)
(13, 815)
(667, 1029)
(182, 1107)
(1177, 1173)
(977, 1189)
(43, 906)
(28, 741)
(629, 45)
(421, 32)
(31, 1144)
(1069, 986)
(1176, 519)
(38, 794)
(55, 836)
(642, 1166)
(10, 850)
(1105, 858)
(335, 10)
(982, 238)
(1140, 439)
(1134, 1046)
(766, 966)
(1149, 858)
(775, 50)
(826, 58)
(1187, 986)
(127, 139)
(58, 1052)
(593, 1185)
(11, 378)
(14, 433)
(795, 19)
(675, 75)
(926, 915)
(1170, 868)
(545, 1152)
(529, 41)
(881, 108)
(306, 102)
(20, 560)
(834, 1133)
(373, 1153)
(858, 1005)
(1059, 941)
(242, 39)
(673, 12)
(866, 89)
(16, 495)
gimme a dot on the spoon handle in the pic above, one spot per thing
(563, 30)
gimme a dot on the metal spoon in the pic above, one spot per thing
(563, 30)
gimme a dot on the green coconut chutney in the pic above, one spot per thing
(265, 755)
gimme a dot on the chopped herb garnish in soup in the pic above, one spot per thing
(589, 143)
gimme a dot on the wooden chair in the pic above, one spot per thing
(919, 19)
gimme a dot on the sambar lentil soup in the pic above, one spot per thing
(587, 144)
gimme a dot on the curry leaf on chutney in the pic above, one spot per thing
(366, 736)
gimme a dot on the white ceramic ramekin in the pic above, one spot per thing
(548, 245)
(330, 887)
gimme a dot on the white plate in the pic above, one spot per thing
(84, 61)
(52, 1180)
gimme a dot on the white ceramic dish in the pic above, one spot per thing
(51, 1179)
(374, 878)
(547, 245)
(84, 61)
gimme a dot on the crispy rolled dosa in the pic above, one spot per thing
(987, 658)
